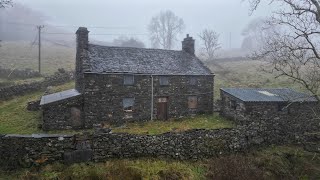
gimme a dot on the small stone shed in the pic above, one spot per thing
(253, 104)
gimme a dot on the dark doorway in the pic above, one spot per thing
(162, 108)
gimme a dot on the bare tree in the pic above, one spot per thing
(291, 44)
(252, 34)
(210, 41)
(5, 3)
(164, 28)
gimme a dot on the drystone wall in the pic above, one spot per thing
(20, 89)
(25, 151)
(104, 94)
(17, 150)
(18, 73)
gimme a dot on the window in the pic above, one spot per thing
(128, 104)
(164, 81)
(192, 102)
(192, 80)
(128, 80)
(233, 104)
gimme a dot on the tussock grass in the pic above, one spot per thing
(280, 162)
(14, 117)
(157, 127)
(116, 170)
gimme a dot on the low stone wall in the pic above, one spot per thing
(54, 80)
(18, 73)
(26, 151)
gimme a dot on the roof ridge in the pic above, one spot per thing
(121, 47)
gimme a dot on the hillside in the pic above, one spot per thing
(22, 54)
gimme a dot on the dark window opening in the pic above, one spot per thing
(128, 104)
(281, 107)
(233, 104)
(164, 81)
(192, 102)
(128, 80)
(192, 81)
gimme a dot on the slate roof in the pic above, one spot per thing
(145, 61)
(268, 95)
(58, 96)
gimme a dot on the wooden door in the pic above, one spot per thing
(162, 108)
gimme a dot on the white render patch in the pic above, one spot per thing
(267, 93)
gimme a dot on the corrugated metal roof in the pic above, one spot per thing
(142, 60)
(58, 96)
(268, 95)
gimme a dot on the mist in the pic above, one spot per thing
(130, 18)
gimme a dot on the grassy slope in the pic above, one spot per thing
(21, 55)
(246, 74)
(14, 118)
(158, 127)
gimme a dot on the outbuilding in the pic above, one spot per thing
(253, 104)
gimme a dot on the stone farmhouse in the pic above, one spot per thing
(114, 85)
(244, 105)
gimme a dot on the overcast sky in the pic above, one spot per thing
(227, 17)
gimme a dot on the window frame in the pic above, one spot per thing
(125, 78)
(129, 110)
(193, 81)
(161, 80)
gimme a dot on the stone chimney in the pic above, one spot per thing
(82, 47)
(188, 45)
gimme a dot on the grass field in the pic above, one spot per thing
(21, 55)
(14, 117)
(157, 127)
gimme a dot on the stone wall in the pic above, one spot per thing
(17, 150)
(18, 73)
(64, 114)
(104, 94)
(25, 151)
(21, 89)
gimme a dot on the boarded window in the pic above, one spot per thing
(128, 80)
(192, 80)
(164, 81)
(128, 104)
(192, 102)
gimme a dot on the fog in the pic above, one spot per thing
(227, 17)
